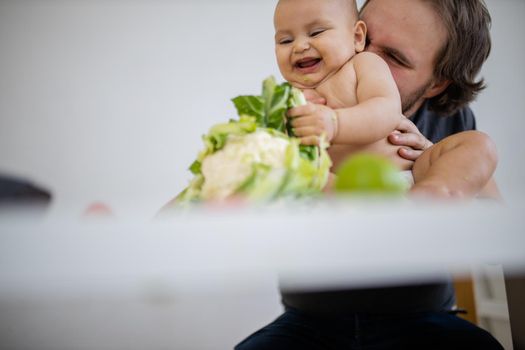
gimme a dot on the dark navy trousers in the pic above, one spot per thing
(427, 330)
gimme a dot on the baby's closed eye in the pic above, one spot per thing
(316, 32)
(285, 41)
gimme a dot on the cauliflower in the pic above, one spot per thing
(225, 170)
(257, 156)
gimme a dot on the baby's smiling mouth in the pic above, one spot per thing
(307, 64)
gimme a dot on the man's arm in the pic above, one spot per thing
(459, 166)
(412, 144)
(491, 191)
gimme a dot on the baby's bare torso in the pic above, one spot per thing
(340, 91)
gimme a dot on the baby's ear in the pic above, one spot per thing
(359, 36)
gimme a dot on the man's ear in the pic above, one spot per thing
(436, 88)
(359, 36)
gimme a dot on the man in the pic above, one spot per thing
(435, 49)
(434, 62)
(435, 65)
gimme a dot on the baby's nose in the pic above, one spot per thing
(301, 46)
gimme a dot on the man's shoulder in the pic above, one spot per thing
(436, 126)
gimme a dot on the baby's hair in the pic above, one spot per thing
(354, 12)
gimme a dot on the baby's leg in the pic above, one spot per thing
(458, 166)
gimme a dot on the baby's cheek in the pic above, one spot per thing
(282, 59)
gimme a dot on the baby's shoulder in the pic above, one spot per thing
(366, 56)
(362, 61)
(367, 60)
(347, 71)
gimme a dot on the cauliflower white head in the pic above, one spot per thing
(226, 170)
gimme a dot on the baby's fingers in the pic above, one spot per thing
(306, 131)
(301, 110)
(310, 140)
(300, 122)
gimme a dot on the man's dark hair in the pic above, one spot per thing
(461, 57)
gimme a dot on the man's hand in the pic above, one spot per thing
(412, 141)
(310, 121)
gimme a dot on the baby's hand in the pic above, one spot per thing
(311, 121)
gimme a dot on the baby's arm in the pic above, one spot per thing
(375, 115)
(378, 109)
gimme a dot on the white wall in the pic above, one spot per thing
(106, 100)
(500, 108)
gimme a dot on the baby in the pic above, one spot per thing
(319, 45)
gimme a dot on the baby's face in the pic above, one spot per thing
(313, 39)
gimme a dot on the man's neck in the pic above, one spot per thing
(413, 110)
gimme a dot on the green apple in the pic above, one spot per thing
(369, 174)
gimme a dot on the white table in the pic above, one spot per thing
(124, 284)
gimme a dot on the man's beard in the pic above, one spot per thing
(408, 102)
